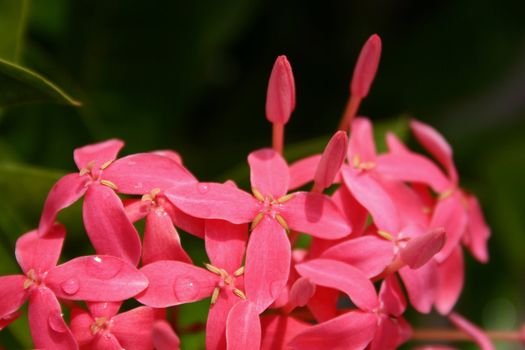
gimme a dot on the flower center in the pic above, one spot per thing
(226, 281)
(95, 173)
(271, 207)
(32, 279)
(101, 325)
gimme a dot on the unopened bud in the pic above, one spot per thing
(280, 98)
(333, 156)
(366, 67)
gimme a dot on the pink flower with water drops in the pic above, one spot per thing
(103, 328)
(95, 278)
(99, 177)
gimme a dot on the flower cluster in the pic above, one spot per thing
(333, 267)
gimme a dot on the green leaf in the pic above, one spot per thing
(19, 85)
(13, 14)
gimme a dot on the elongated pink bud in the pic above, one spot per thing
(280, 98)
(366, 67)
(420, 249)
(333, 156)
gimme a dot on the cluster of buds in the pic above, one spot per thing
(333, 267)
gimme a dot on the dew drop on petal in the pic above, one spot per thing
(185, 288)
(103, 268)
(203, 188)
(56, 323)
(70, 286)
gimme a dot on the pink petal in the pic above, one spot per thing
(301, 292)
(164, 338)
(186, 222)
(410, 205)
(161, 240)
(214, 201)
(216, 323)
(472, 330)
(436, 145)
(96, 278)
(12, 294)
(81, 321)
(225, 244)
(243, 327)
(136, 209)
(451, 274)
(386, 337)
(420, 249)
(174, 282)
(277, 331)
(303, 171)
(323, 304)
(40, 254)
(450, 214)
(350, 331)
(412, 167)
(392, 297)
(478, 232)
(366, 67)
(333, 156)
(8, 319)
(269, 172)
(352, 210)
(421, 285)
(175, 156)
(133, 328)
(361, 141)
(99, 153)
(107, 225)
(48, 328)
(280, 97)
(268, 258)
(371, 195)
(65, 192)
(106, 342)
(103, 309)
(395, 145)
(316, 214)
(143, 172)
(328, 273)
(370, 254)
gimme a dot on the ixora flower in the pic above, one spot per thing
(107, 225)
(333, 267)
(94, 278)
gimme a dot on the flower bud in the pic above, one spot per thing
(366, 67)
(280, 98)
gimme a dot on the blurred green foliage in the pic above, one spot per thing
(192, 76)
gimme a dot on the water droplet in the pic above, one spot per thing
(56, 323)
(185, 289)
(70, 286)
(203, 188)
(103, 268)
(275, 288)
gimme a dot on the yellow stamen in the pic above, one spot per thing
(215, 295)
(446, 194)
(256, 221)
(98, 325)
(239, 293)
(239, 271)
(356, 161)
(257, 194)
(109, 184)
(285, 198)
(385, 235)
(152, 195)
(106, 164)
(213, 269)
(281, 221)
(27, 283)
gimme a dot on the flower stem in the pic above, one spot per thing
(351, 109)
(278, 137)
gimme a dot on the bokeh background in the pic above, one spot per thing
(192, 75)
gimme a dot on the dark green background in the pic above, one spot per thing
(191, 76)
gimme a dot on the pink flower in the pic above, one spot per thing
(94, 278)
(100, 176)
